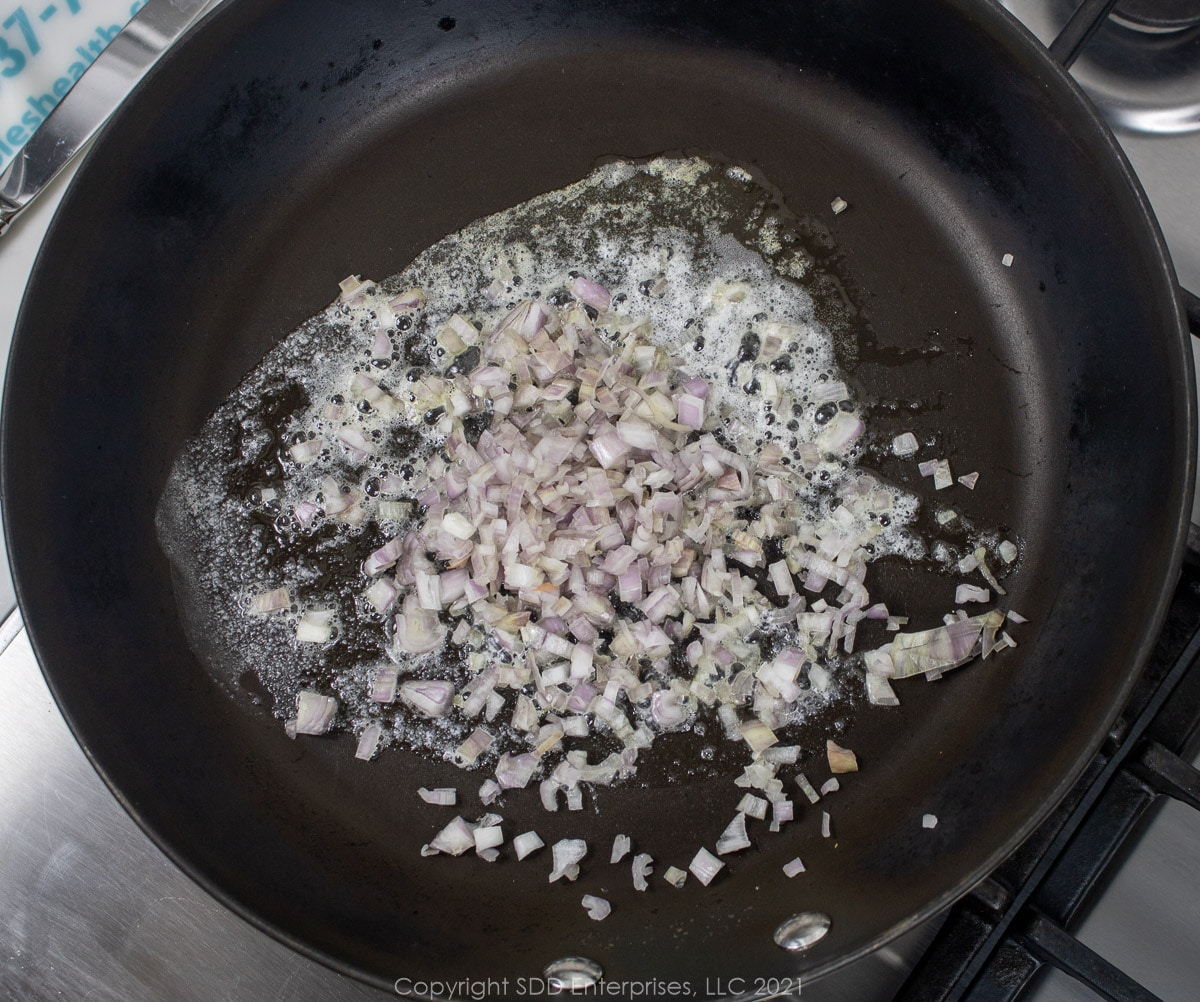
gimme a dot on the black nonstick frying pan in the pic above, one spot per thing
(281, 146)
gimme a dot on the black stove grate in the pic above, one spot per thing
(997, 938)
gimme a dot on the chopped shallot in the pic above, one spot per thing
(488, 837)
(598, 909)
(841, 760)
(705, 866)
(906, 445)
(734, 838)
(275, 600)
(455, 839)
(807, 788)
(526, 843)
(314, 712)
(432, 698)
(752, 806)
(583, 539)
(941, 648)
(567, 853)
(988, 576)
(642, 867)
(675, 876)
(368, 741)
(971, 593)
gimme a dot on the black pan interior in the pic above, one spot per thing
(280, 149)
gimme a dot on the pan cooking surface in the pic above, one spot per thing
(231, 195)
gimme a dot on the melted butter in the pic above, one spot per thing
(702, 252)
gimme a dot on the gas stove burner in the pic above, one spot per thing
(1157, 16)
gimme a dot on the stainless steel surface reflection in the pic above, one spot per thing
(1144, 81)
(89, 907)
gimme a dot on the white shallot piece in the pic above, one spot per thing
(314, 712)
(782, 811)
(598, 909)
(807, 788)
(526, 843)
(905, 444)
(275, 600)
(315, 626)
(643, 865)
(734, 838)
(455, 839)
(965, 593)
(488, 837)
(368, 741)
(432, 698)
(705, 866)
(675, 876)
(566, 854)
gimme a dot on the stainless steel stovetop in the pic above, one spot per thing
(91, 909)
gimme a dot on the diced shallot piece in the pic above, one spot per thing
(905, 445)
(314, 712)
(675, 876)
(705, 866)
(368, 741)
(841, 760)
(432, 697)
(734, 838)
(598, 909)
(526, 843)
(592, 293)
(642, 867)
(276, 600)
(567, 853)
